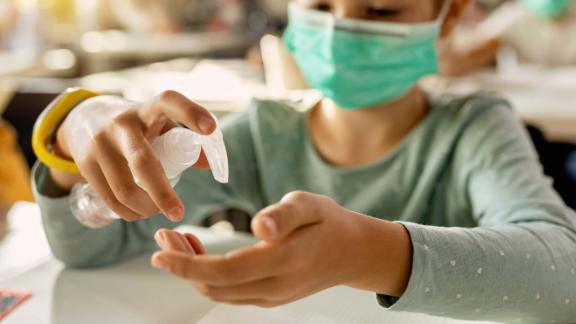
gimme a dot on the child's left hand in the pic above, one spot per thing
(309, 243)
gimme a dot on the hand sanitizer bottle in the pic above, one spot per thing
(177, 150)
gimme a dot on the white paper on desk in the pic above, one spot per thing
(25, 245)
(334, 306)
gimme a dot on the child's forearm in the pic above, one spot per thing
(386, 258)
(65, 181)
(502, 273)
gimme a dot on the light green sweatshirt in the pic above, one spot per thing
(491, 239)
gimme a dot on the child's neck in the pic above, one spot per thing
(349, 138)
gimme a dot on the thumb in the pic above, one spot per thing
(295, 211)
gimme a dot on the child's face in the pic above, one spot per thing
(401, 11)
(361, 65)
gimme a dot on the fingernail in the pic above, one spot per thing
(271, 226)
(157, 262)
(175, 214)
(206, 124)
(159, 239)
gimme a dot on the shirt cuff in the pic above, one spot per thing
(386, 301)
(43, 183)
(415, 292)
(54, 202)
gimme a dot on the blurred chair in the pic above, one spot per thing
(229, 220)
(14, 174)
(559, 163)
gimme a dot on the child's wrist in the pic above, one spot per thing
(64, 181)
(384, 258)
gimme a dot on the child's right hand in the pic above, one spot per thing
(109, 139)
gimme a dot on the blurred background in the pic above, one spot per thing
(221, 53)
(48, 45)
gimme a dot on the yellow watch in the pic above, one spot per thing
(47, 124)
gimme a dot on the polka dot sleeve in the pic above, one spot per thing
(519, 264)
(507, 274)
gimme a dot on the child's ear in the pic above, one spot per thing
(455, 13)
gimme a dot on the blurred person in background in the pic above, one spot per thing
(169, 16)
(541, 32)
(511, 34)
(8, 14)
(252, 17)
(11, 23)
(459, 58)
(20, 26)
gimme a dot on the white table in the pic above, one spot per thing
(134, 292)
(130, 292)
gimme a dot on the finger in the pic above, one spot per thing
(121, 181)
(202, 162)
(177, 107)
(242, 266)
(173, 241)
(265, 303)
(265, 289)
(148, 170)
(295, 211)
(248, 302)
(205, 291)
(195, 243)
(162, 126)
(92, 173)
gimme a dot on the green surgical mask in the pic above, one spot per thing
(547, 8)
(359, 63)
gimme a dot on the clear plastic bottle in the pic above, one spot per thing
(177, 150)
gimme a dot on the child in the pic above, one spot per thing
(437, 205)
